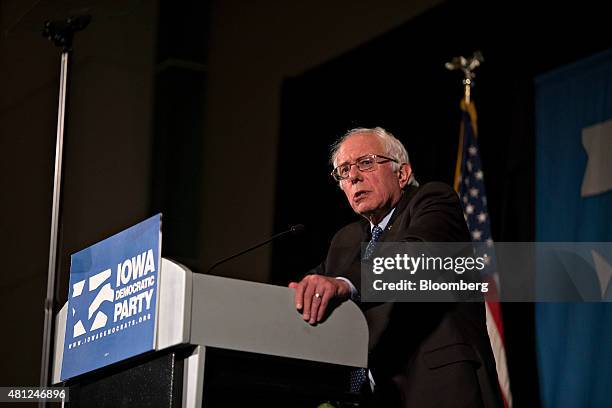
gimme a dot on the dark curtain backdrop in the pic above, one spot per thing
(181, 83)
(398, 81)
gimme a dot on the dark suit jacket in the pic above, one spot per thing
(421, 354)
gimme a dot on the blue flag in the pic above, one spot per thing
(574, 204)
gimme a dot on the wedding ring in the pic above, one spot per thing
(317, 295)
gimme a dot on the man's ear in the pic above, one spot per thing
(403, 174)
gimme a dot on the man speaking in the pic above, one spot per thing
(420, 354)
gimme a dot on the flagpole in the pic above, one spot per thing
(467, 87)
(467, 65)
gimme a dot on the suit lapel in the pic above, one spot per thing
(390, 235)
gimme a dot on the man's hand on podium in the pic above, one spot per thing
(313, 294)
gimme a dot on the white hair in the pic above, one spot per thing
(392, 146)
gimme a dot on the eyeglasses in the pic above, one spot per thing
(363, 163)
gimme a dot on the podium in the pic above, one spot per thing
(223, 342)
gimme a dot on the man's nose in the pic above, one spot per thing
(354, 174)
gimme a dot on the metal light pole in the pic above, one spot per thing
(61, 33)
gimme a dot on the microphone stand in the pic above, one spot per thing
(61, 33)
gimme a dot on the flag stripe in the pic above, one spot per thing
(499, 352)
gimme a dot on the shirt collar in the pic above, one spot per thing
(384, 222)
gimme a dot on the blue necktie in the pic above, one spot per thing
(359, 376)
(376, 233)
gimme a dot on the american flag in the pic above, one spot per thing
(469, 184)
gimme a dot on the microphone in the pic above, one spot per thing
(293, 230)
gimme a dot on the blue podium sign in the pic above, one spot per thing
(112, 300)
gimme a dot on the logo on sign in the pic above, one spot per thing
(113, 302)
(105, 294)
